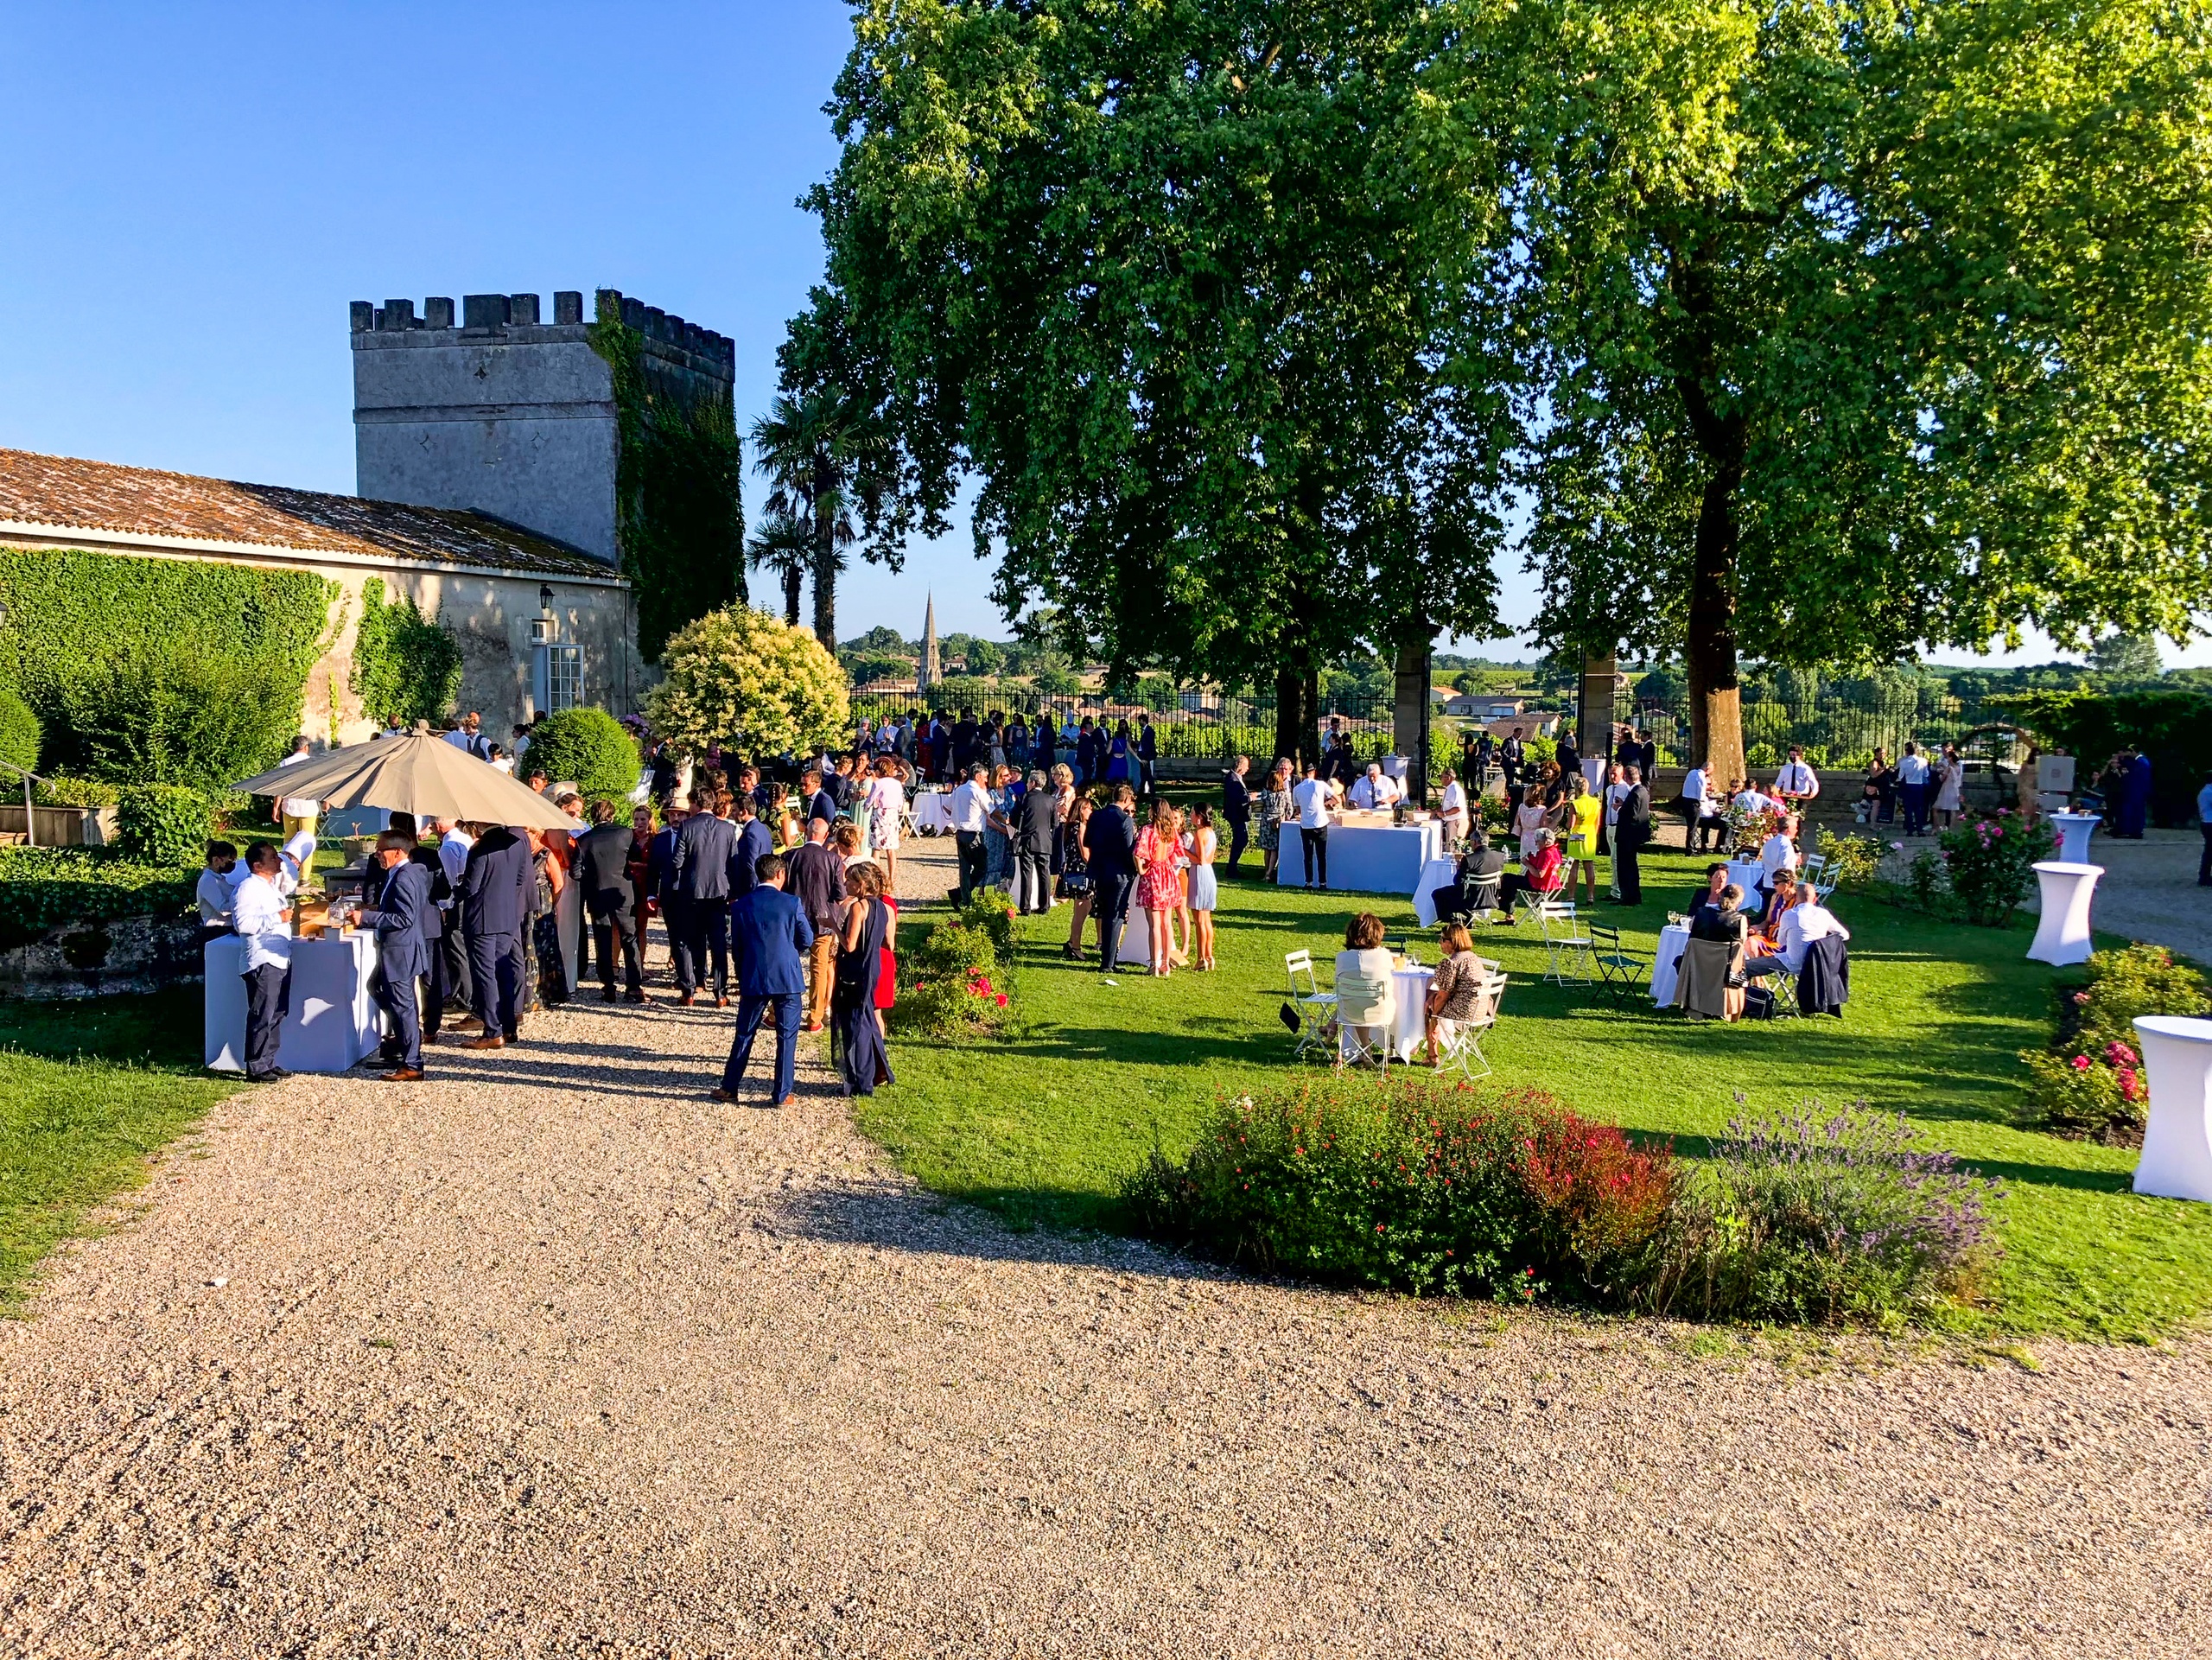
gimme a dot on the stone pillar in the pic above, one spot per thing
(1409, 714)
(1594, 706)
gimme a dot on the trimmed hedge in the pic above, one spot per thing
(587, 745)
(43, 887)
(160, 671)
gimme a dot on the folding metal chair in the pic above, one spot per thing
(1353, 1050)
(1313, 1005)
(1462, 1052)
(1567, 948)
(1619, 971)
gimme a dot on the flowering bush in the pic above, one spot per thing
(958, 980)
(989, 914)
(1990, 862)
(1750, 827)
(1849, 1217)
(1414, 1187)
(1853, 860)
(2089, 1084)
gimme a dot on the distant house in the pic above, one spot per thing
(1538, 725)
(1484, 706)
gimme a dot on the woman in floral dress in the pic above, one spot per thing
(1160, 887)
(1276, 808)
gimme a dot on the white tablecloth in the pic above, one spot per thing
(2074, 828)
(1135, 949)
(1437, 873)
(334, 1022)
(2063, 931)
(2176, 1161)
(1409, 991)
(1748, 874)
(1666, 963)
(1386, 859)
(1395, 767)
(933, 811)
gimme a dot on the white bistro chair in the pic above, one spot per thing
(1566, 944)
(1314, 1007)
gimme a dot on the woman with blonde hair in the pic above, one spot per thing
(1455, 992)
(1201, 891)
(1159, 857)
(1586, 813)
(884, 801)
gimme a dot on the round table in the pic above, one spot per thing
(1748, 874)
(2176, 1161)
(2074, 830)
(1666, 962)
(932, 812)
(1409, 998)
(1434, 874)
(2062, 932)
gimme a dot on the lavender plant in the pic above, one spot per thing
(1844, 1217)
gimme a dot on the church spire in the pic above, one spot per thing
(931, 672)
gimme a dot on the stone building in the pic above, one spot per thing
(487, 453)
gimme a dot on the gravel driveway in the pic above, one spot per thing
(552, 1355)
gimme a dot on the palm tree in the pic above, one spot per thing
(816, 448)
(785, 545)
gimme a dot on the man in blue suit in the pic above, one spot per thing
(769, 929)
(701, 867)
(403, 906)
(754, 843)
(660, 877)
(497, 886)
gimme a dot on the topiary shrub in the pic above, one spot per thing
(163, 824)
(587, 746)
(19, 736)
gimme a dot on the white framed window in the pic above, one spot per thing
(565, 677)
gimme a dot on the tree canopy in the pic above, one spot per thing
(751, 681)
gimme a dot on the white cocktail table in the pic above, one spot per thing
(1409, 993)
(2063, 931)
(1434, 874)
(2074, 830)
(2176, 1161)
(1666, 962)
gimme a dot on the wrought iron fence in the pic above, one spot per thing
(1839, 725)
(1190, 725)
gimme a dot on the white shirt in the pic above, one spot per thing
(1800, 925)
(1312, 798)
(1797, 779)
(299, 859)
(1752, 801)
(1455, 800)
(1912, 769)
(297, 806)
(1615, 794)
(218, 892)
(1778, 853)
(257, 916)
(1374, 790)
(505, 764)
(970, 807)
(1693, 784)
(452, 854)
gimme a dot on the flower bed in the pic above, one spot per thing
(1465, 1190)
(2088, 1085)
(958, 980)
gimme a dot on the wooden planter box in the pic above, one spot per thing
(62, 827)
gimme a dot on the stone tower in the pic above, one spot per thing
(507, 415)
(931, 672)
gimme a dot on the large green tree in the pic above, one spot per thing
(1856, 326)
(1195, 296)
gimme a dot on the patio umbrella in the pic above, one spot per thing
(420, 774)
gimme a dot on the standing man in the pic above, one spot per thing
(403, 902)
(456, 987)
(1110, 850)
(1912, 785)
(704, 845)
(1313, 798)
(1694, 789)
(1647, 760)
(1453, 810)
(964, 742)
(612, 903)
(438, 888)
(754, 843)
(1236, 808)
(297, 812)
(469, 736)
(1036, 828)
(1510, 756)
(1796, 783)
(970, 808)
(2204, 825)
(773, 937)
(661, 880)
(1567, 755)
(813, 875)
(1631, 833)
(497, 886)
(820, 804)
(263, 922)
(1147, 752)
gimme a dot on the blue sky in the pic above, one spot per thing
(192, 193)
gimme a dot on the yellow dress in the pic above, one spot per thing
(1582, 839)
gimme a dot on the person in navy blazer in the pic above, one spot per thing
(701, 867)
(754, 843)
(497, 886)
(399, 920)
(772, 936)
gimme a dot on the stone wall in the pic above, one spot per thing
(96, 959)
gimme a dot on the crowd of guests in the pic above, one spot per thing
(942, 746)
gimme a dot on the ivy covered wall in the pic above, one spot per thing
(679, 510)
(161, 670)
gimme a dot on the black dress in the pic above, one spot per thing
(852, 1006)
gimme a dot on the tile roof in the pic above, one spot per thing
(62, 491)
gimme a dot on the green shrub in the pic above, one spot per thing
(406, 666)
(177, 714)
(19, 737)
(60, 791)
(43, 887)
(163, 824)
(989, 913)
(2088, 1085)
(1853, 860)
(1413, 1186)
(586, 746)
(1848, 1218)
(947, 987)
(1989, 863)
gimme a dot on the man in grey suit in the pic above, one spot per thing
(703, 847)
(497, 886)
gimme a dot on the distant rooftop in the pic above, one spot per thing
(55, 495)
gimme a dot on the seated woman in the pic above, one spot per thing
(1716, 880)
(1455, 995)
(1724, 921)
(1775, 900)
(1804, 920)
(1543, 872)
(1366, 1006)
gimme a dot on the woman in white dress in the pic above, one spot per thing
(1950, 786)
(1530, 819)
(887, 804)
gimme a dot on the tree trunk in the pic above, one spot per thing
(793, 577)
(1293, 714)
(825, 599)
(1716, 700)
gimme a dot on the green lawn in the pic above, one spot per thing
(88, 1091)
(1042, 1125)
